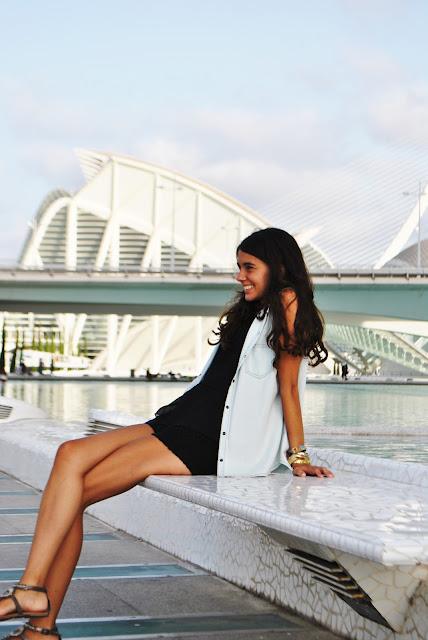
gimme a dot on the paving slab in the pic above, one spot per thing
(167, 626)
(96, 552)
(15, 500)
(316, 633)
(25, 523)
(194, 594)
(8, 484)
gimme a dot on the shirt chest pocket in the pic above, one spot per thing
(259, 360)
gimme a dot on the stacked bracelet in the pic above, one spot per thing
(298, 458)
(298, 455)
(300, 449)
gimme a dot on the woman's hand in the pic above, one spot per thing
(303, 470)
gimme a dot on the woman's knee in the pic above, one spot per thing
(68, 453)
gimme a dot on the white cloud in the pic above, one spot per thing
(252, 181)
(400, 116)
(53, 162)
(375, 68)
(182, 157)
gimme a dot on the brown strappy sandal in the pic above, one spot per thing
(19, 611)
(18, 634)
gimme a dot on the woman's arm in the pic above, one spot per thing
(288, 374)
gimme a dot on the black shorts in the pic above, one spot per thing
(198, 452)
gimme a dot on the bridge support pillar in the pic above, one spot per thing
(112, 323)
(154, 359)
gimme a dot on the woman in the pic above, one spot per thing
(230, 422)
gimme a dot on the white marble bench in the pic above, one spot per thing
(358, 542)
(349, 552)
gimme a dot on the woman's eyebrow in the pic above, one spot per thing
(247, 264)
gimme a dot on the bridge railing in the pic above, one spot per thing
(338, 272)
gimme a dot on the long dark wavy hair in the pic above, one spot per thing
(287, 270)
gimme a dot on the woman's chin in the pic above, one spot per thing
(251, 296)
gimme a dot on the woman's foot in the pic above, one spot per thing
(24, 601)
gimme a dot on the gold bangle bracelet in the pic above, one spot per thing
(307, 461)
(299, 458)
(300, 449)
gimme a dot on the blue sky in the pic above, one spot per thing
(270, 101)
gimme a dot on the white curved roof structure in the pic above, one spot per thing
(130, 213)
(134, 214)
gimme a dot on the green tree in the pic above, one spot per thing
(3, 350)
(14, 353)
(39, 340)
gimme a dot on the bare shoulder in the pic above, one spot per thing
(288, 297)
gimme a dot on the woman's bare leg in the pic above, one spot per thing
(60, 574)
(62, 568)
(64, 494)
(103, 481)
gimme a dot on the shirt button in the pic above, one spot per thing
(221, 459)
(224, 433)
(233, 380)
(227, 406)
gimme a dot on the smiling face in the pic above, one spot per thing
(253, 275)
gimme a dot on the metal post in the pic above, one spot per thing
(71, 236)
(172, 256)
(112, 321)
(419, 226)
(154, 366)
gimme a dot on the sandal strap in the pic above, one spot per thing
(29, 587)
(9, 593)
(53, 631)
(19, 610)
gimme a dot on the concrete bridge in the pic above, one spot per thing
(352, 297)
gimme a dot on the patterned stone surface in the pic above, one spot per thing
(379, 520)
(361, 516)
(416, 474)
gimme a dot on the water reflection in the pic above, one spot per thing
(381, 420)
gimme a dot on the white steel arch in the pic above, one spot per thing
(409, 226)
(31, 255)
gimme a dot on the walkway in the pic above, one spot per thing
(126, 588)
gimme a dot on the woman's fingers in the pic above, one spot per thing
(303, 470)
(327, 472)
